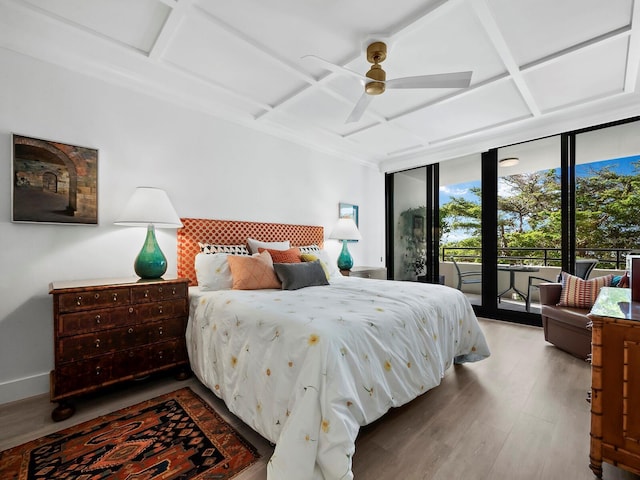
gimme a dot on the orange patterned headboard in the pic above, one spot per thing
(231, 232)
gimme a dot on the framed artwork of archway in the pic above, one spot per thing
(53, 182)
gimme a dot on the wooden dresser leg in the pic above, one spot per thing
(183, 374)
(596, 467)
(63, 411)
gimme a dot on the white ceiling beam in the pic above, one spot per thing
(258, 47)
(590, 43)
(176, 16)
(500, 44)
(77, 26)
(417, 21)
(184, 71)
(633, 54)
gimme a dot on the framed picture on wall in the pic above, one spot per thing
(53, 182)
(347, 210)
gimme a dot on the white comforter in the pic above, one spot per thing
(307, 368)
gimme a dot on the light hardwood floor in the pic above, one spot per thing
(519, 415)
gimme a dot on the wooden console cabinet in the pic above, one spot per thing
(107, 331)
(615, 389)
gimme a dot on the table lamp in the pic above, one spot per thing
(150, 207)
(344, 230)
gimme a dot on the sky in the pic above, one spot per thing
(620, 165)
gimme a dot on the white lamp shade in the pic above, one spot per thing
(345, 229)
(149, 205)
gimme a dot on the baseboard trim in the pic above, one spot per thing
(22, 388)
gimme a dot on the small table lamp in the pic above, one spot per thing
(150, 207)
(344, 230)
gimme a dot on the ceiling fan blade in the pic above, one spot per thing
(359, 109)
(440, 80)
(336, 68)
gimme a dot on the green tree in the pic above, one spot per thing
(529, 216)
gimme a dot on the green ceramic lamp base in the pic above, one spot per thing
(150, 262)
(345, 261)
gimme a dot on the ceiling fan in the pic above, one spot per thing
(375, 80)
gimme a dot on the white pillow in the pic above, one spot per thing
(254, 245)
(213, 272)
(332, 267)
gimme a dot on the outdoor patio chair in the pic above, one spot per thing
(583, 270)
(464, 277)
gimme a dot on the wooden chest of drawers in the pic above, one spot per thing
(108, 331)
(615, 381)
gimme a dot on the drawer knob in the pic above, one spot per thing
(96, 296)
(130, 330)
(160, 332)
(173, 291)
(130, 309)
(79, 300)
(115, 297)
(98, 318)
(160, 308)
(97, 370)
(97, 343)
(146, 294)
(160, 289)
(160, 354)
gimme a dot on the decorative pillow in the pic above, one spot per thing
(230, 249)
(253, 273)
(580, 293)
(299, 275)
(314, 249)
(254, 245)
(332, 266)
(213, 272)
(309, 257)
(624, 281)
(291, 255)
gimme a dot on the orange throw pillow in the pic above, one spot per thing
(283, 256)
(253, 273)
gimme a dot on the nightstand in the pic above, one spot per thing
(107, 331)
(379, 273)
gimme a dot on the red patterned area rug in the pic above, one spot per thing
(170, 437)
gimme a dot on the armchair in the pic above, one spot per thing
(565, 327)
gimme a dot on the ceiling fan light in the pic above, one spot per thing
(374, 88)
(378, 75)
(508, 162)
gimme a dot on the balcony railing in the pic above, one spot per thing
(547, 257)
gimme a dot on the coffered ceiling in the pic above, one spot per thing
(539, 66)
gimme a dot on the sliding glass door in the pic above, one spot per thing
(607, 185)
(409, 224)
(496, 224)
(460, 224)
(529, 233)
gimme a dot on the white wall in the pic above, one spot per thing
(209, 167)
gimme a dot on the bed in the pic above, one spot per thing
(307, 368)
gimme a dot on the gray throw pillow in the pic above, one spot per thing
(298, 275)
